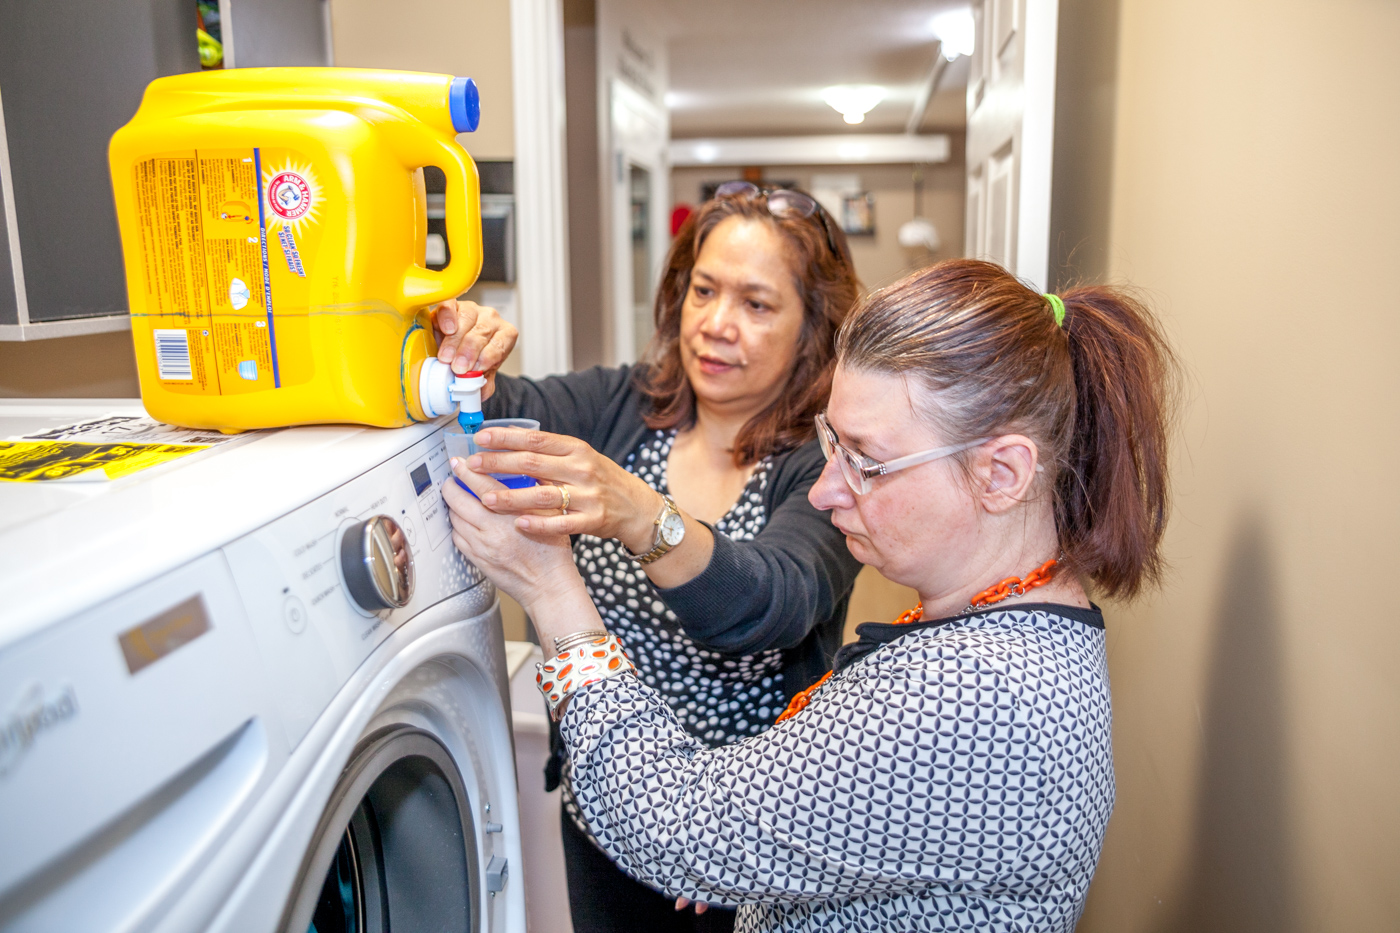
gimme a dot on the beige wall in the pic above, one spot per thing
(94, 366)
(879, 259)
(467, 37)
(1257, 698)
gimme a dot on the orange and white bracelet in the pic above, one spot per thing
(575, 668)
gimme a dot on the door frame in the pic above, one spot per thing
(638, 136)
(1017, 107)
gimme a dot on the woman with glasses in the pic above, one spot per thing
(1004, 453)
(683, 482)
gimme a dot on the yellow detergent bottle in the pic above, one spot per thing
(274, 226)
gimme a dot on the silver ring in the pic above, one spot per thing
(564, 502)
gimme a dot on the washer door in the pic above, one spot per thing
(396, 847)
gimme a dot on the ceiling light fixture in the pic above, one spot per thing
(956, 30)
(853, 101)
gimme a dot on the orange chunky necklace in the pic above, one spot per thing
(1011, 586)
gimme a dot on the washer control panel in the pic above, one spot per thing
(324, 585)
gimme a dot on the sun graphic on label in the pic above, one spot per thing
(293, 195)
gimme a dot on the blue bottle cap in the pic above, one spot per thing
(464, 103)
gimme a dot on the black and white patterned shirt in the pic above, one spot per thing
(717, 698)
(958, 777)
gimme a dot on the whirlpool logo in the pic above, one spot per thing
(35, 712)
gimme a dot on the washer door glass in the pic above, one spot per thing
(405, 858)
(342, 905)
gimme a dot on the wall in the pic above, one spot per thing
(460, 38)
(1256, 698)
(879, 259)
(92, 366)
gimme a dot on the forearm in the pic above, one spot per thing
(689, 820)
(682, 563)
(770, 591)
(562, 610)
(765, 593)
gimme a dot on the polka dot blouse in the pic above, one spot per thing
(717, 698)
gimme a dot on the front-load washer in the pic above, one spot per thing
(254, 688)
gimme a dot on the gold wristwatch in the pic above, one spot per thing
(670, 530)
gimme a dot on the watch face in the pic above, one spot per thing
(673, 529)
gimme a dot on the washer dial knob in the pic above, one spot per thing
(377, 563)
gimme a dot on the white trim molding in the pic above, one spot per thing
(541, 196)
(855, 148)
(226, 30)
(1037, 142)
(75, 327)
(11, 226)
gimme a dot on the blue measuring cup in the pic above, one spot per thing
(463, 445)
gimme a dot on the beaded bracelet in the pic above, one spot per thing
(566, 673)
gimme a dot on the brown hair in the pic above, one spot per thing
(1096, 395)
(827, 285)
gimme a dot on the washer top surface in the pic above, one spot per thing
(65, 545)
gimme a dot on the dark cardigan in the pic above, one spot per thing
(787, 588)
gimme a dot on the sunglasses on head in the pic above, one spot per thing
(782, 203)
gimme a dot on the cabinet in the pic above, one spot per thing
(70, 75)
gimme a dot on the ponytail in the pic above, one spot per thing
(1111, 494)
(1093, 387)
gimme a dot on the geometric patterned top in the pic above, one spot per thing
(958, 777)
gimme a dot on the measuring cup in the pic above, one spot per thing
(464, 445)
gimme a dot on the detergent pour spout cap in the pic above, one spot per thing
(440, 391)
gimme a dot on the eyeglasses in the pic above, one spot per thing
(860, 471)
(782, 203)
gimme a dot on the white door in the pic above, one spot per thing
(1010, 135)
(639, 185)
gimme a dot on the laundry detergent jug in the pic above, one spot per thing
(274, 226)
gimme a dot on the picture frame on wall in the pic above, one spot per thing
(858, 214)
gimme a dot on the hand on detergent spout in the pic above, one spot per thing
(581, 491)
(534, 569)
(472, 336)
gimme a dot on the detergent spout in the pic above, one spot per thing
(441, 391)
(466, 392)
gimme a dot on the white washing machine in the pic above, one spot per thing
(252, 689)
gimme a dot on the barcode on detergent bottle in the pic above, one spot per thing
(173, 355)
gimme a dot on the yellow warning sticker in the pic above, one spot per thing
(45, 461)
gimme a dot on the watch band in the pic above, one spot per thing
(660, 546)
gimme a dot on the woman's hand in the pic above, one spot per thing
(700, 906)
(603, 498)
(473, 337)
(538, 570)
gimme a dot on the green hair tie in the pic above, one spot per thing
(1057, 308)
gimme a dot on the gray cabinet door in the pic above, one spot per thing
(70, 75)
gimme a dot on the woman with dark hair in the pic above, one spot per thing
(1004, 453)
(683, 482)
